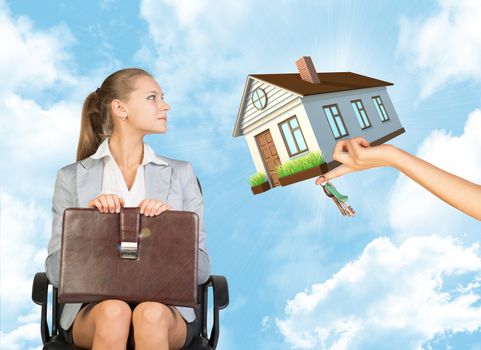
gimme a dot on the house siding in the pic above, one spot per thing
(251, 117)
(322, 132)
(273, 125)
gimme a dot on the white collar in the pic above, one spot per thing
(149, 154)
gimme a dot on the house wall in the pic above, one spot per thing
(276, 98)
(325, 139)
(272, 123)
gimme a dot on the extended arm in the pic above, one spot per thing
(356, 154)
(454, 190)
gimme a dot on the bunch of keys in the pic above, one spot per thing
(338, 198)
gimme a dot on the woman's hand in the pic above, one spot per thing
(356, 154)
(107, 203)
(153, 207)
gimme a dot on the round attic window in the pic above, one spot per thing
(259, 98)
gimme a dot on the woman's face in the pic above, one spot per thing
(145, 108)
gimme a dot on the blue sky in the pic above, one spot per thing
(404, 273)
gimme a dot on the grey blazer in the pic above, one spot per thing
(173, 182)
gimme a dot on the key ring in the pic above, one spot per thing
(326, 191)
(338, 198)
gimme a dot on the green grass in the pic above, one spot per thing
(257, 179)
(293, 166)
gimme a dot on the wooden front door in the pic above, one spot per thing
(269, 155)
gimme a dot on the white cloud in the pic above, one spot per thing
(401, 295)
(445, 46)
(32, 58)
(33, 316)
(35, 68)
(265, 323)
(24, 337)
(415, 211)
(23, 226)
(184, 32)
(33, 136)
(35, 142)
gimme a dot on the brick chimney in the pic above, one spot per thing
(307, 70)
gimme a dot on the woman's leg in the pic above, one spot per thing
(157, 326)
(103, 325)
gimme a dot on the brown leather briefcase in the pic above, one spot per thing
(129, 256)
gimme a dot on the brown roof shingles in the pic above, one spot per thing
(330, 82)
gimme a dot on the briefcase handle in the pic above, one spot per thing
(129, 232)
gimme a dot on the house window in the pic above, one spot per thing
(293, 138)
(361, 114)
(259, 98)
(335, 121)
(380, 108)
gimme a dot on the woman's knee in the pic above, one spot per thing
(153, 313)
(106, 322)
(112, 317)
(115, 310)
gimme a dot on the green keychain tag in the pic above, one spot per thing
(340, 197)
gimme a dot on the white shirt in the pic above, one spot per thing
(113, 181)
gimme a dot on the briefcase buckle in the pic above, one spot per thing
(129, 250)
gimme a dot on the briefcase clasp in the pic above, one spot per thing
(129, 233)
(129, 250)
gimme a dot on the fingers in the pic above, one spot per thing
(341, 153)
(360, 140)
(161, 208)
(363, 142)
(356, 147)
(98, 204)
(107, 203)
(153, 207)
(321, 179)
(111, 203)
(352, 152)
(104, 204)
(336, 172)
(116, 203)
(340, 147)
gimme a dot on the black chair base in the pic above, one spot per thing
(58, 343)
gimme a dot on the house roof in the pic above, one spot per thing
(330, 82)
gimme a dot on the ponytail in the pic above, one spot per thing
(90, 132)
(96, 121)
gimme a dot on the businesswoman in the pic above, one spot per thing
(115, 168)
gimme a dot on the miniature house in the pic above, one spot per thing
(288, 116)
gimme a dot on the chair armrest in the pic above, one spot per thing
(220, 291)
(40, 288)
(40, 297)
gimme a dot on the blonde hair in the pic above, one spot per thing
(96, 122)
